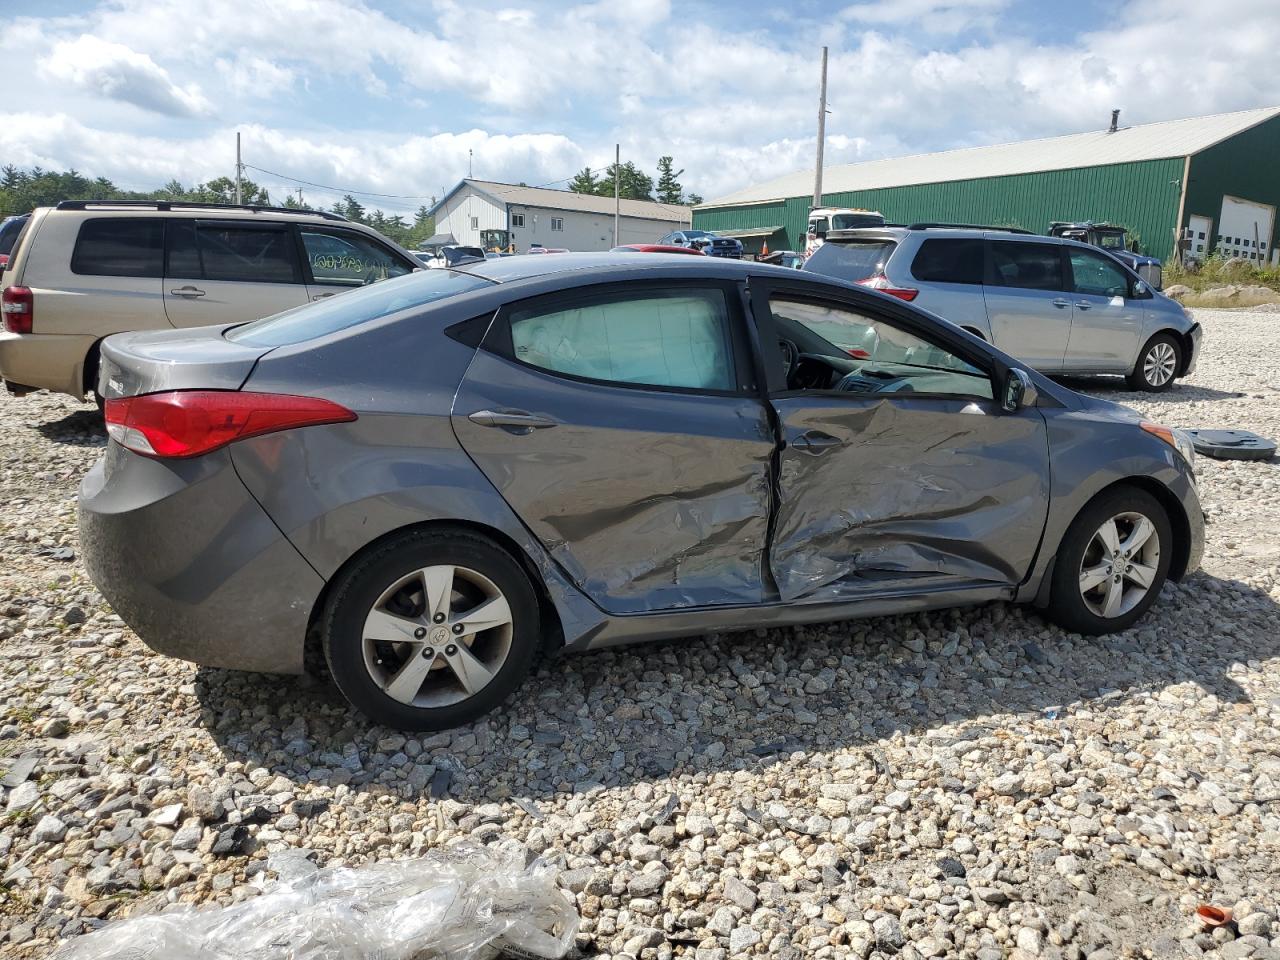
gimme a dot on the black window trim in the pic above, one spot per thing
(197, 222)
(763, 290)
(305, 261)
(75, 246)
(498, 338)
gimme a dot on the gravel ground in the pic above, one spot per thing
(972, 783)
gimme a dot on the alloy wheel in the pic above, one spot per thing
(437, 636)
(1120, 565)
(1159, 363)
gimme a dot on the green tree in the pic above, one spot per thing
(585, 182)
(669, 189)
(633, 183)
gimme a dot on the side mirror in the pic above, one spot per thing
(1019, 391)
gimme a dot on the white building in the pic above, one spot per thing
(552, 218)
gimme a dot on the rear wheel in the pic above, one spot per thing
(1158, 364)
(1111, 563)
(431, 630)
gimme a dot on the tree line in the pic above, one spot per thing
(21, 191)
(635, 184)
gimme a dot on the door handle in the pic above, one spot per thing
(1083, 305)
(514, 421)
(815, 442)
(1061, 302)
(322, 296)
(187, 291)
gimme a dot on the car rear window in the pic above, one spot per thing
(851, 260)
(131, 247)
(346, 310)
(949, 260)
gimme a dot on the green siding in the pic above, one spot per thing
(1243, 166)
(1141, 196)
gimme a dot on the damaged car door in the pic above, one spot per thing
(623, 426)
(899, 471)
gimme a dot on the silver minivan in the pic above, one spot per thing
(1063, 307)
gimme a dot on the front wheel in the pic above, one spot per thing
(1157, 365)
(1111, 563)
(431, 630)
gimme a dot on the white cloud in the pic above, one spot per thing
(115, 71)
(931, 16)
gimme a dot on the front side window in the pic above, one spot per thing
(943, 260)
(833, 347)
(219, 251)
(132, 247)
(1027, 266)
(661, 339)
(348, 259)
(1098, 275)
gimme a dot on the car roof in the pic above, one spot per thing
(608, 265)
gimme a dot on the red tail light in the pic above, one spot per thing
(881, 282)
(4, 260)
(18, 307)
(188, 423)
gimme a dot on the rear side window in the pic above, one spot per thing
(131, 247)
(664, 340)
(943, 260)
(1029, 266)
(851, 260)
(218, 251)
(323, 317)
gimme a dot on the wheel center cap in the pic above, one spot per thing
(439, 635)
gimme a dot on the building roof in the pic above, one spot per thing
(512, 193)
(1150, 141)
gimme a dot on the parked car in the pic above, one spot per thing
(10, 227)
(712, 244)
(539, 248)
(784, 258)
(825, 219)
(1114, 241)
(1061, 306)
(453, 254)
(86, 269)
(571, 452)
(655, 248)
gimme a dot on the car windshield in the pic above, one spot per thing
(851, 260)
(1111, 241)
(327, 316)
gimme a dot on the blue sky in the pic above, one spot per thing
(389, 98)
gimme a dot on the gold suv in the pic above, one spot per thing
(83, 270)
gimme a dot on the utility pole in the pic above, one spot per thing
(300, 203)
(822, 133)
(468, 163)
(239, 167)
(617, 192)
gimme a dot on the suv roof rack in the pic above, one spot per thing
(166, 205)
(965, 226)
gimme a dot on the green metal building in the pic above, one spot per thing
(1197, 185)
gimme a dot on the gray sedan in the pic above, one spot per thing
(427, 482)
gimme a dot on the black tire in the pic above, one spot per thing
(1067, 606)
(1145, 375)
(361, 586)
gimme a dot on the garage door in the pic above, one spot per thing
(1244, 229)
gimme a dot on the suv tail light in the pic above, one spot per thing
(881, 282)
(188, 423)
(18, 307)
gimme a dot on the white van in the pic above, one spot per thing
(822, 219)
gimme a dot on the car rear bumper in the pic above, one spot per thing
(46, 361)
(192, 563)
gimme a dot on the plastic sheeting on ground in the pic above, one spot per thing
(464, 903)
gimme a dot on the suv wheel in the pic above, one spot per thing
(1158, 364)
(431, 630)
(1111, 563)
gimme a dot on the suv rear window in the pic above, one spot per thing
(131, 247)
(949, 260)
(851, 260)
(323, 317)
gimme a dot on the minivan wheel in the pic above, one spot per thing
(1158, 364)
(431, 630)
(1111, 563)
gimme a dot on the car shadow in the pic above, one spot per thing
(1115, 388)
(81, 428)
(649, 711)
